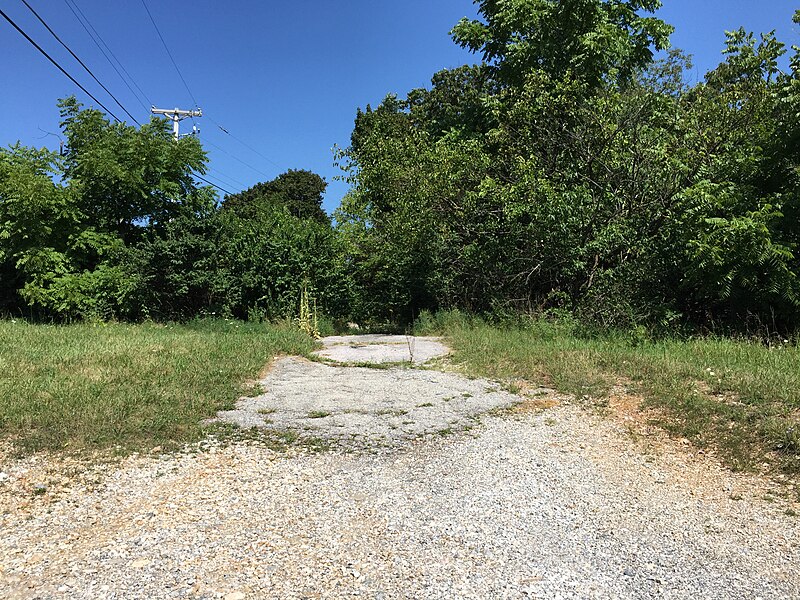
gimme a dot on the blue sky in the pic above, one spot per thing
(285, 78)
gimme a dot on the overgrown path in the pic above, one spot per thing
(365, 395)
(529, 502)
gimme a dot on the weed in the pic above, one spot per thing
(308, 321)
(425, 405)
(390, 411)
(253, 390)
(411, 344)
(318, 414)
(360, 364)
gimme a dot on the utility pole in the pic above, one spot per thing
(176, 115)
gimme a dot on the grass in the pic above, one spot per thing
(79, 387)
(318, 414)
(739, 397)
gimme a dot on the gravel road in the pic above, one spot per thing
(554, 503)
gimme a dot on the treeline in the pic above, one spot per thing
(569, 171)
(115, 227)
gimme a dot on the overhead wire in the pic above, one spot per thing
(95, 36)
(227, 179)
(58, 66)
(163, 41)
(75, 56)
(243, 143)
(216, 178)
(236, 158)
(196, 176)
(188, 89)
(87, 92)
(191, 95)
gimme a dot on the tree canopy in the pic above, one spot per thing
(300, 191)
(117, 227)
(573, 170)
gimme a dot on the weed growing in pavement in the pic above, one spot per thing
(308, 319)
(318, 414)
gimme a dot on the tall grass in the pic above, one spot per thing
(134, 386)
(739, 396)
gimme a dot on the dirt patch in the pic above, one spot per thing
(536, 405)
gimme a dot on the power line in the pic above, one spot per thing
(191, 95)
(225, 178)
(94, 35)
(71, 78)
(213, 184)
(243, 143)
(58, 66)
(236, 189)
(75, 56)
(153, 21)
(236, 158)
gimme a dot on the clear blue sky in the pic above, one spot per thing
(284, 77)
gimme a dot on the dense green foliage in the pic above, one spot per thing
(117, 228)
(570, 170)
(299, 191)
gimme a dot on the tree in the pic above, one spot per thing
(264, 259)
(39, 222)
(591, 40)
(571, 170)
(69, 221)
(300, 191)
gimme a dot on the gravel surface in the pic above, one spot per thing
(378, 349)
(362, 407)
(555, 503)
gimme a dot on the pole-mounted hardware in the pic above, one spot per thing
(176, 115)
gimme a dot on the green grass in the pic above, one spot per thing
(318, 414)
(740, 397)
(79, 387)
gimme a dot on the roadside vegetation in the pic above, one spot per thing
(100, 386)
(740, 397)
